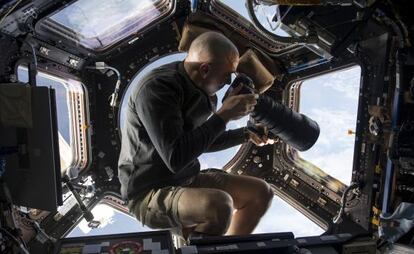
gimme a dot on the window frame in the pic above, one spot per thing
(46, 27)
(78, 112)
(293, 203)
(292, 96)
(229, 16)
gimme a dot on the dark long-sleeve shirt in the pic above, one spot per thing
(169, 123)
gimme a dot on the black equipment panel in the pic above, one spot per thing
(37, 162)
(280, 243)
(155, 242)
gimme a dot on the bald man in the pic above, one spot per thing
(171, 120)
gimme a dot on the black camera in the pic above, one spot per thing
(297, 130)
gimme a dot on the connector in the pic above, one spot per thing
(100, 65)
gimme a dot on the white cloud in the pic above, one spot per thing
(102, 213)
(346, 82)
(334, 126)
(336, 114)
(337, 164)
(217, 159)
(203, 163)
(208, 162)
(281, 217)
(92, 19)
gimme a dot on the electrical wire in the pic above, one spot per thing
(33, 53)
(114, 96)
(115, 70)
(23, 242)
(39, 230)
(337, 219)
(9, 11)
(18, 243)
(403, 27)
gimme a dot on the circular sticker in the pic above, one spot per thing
(127, 247)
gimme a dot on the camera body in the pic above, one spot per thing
(245, 81)
(295, 129)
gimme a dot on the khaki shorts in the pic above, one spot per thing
(158, 208)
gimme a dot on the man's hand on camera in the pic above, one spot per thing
(260, 140)
(237, 106)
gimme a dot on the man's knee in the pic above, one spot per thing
(219, 210)
(264, 197)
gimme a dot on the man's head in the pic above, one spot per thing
(211, 60)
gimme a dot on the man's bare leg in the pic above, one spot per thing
(205, 210)
(251, 198)
(209, 211)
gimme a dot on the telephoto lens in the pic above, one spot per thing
(295, 129)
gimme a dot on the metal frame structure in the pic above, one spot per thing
(372, 36)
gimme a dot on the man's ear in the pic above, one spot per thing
(204, 70)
